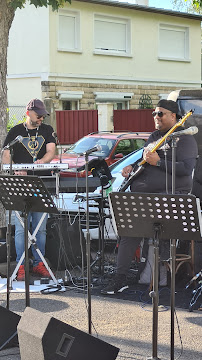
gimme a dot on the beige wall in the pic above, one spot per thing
(37, 69)
(28, 50)
(143, 66)
(21, 90)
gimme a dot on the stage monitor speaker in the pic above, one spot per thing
(63, 243)
(45, 338)
(8, 328)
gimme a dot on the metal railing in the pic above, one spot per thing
(16, 115)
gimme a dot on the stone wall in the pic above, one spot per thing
(50, 89)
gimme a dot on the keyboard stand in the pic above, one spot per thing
(32, 241)
(26, 194)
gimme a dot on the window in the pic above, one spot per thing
(70, 105)
(69, 31)
(124, 147)
(120, 100)
(70, 99)
(121, 105)
(173, 43)
(112, 36)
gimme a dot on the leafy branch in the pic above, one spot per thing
(56, 4)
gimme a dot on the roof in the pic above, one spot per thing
(144, 8)
(120, 134)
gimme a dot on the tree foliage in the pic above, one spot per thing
(56, 4)
(197, 4)
(190, 6)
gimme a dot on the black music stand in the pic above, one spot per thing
(25, 193)
(162, 216)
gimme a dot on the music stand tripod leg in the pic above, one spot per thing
(172, 299)
(8, 247)
(155, 294)
(27, 295)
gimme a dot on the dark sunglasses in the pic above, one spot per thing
(41, 116)
(159, 113)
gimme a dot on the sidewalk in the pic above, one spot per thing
(122, 323)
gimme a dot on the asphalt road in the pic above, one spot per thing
(122, 323)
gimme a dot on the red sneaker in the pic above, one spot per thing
(21, 273)
(41, 270)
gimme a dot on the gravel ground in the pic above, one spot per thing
(122, 323)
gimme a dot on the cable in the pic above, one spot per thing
(178, 326)
(50, 289)
(10, 354)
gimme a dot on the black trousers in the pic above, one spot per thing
(127, 248)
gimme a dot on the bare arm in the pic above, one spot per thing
(6, 160)
(6, 157)
(49, 155)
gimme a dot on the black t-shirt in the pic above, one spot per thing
(33, 145)
(153, 178)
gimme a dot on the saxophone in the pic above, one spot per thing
(140, 167)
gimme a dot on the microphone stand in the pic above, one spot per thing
(58, 142)
(8, 239)
(173, 253)
(88, 247)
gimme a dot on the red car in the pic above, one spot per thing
(114, 145)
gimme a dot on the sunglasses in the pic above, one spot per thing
(159, 113)
(41, 116)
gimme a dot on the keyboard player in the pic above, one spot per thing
(33, 143)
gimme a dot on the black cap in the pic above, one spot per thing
(37, 106)
(170, 105)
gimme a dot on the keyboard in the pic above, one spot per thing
(36, 167)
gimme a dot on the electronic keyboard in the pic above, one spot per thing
(36, 167)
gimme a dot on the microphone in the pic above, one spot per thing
(192, 130)
(95, 148)
(13, 142)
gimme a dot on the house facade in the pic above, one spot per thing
(99, 51)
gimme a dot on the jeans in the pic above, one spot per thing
(34, 218)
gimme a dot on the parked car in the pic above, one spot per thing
(114, 146)
(190, 100)
(75, 204)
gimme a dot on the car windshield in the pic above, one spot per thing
(89, 142)
(190, 104)
(127, 160)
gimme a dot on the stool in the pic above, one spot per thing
(182, 259)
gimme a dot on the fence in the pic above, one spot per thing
(133, 120)
(16, 114)
(74, 124)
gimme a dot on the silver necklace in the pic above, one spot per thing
(33, 144)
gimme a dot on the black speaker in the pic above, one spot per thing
(3, 247)
(46, 338)
(65, 243)
(8, 328)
